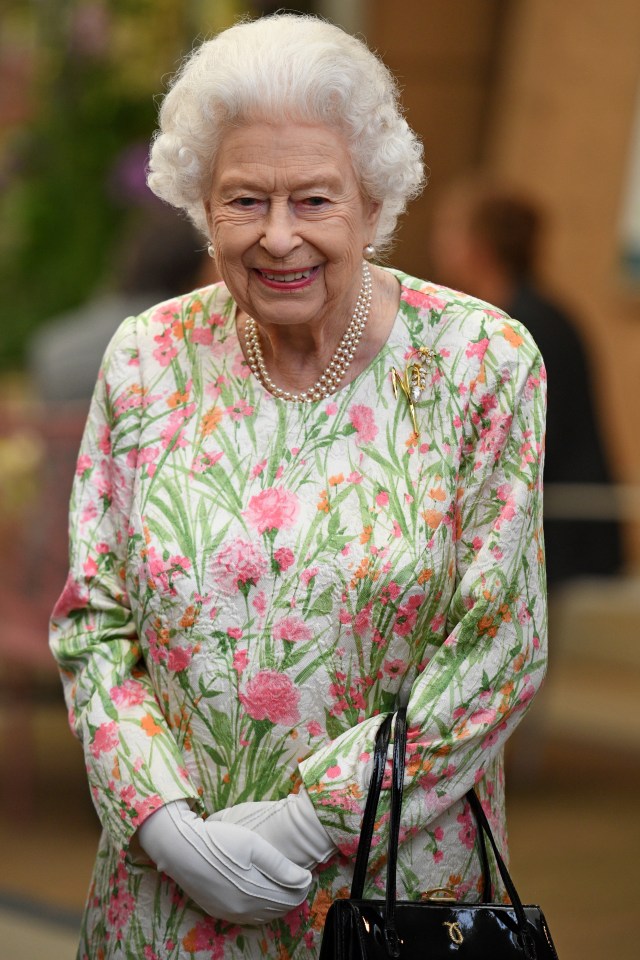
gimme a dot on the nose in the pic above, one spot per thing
(280, 236)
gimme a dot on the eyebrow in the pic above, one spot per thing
(320, 183)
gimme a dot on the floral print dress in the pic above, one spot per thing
(255, 583)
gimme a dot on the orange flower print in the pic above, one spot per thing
(319, 908)
(210, 421)
(511, 336)
(433, 518)
(150, 726)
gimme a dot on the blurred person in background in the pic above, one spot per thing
(486, 239)
(281, 527)
(160, 256)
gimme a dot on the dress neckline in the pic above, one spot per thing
(353, 384)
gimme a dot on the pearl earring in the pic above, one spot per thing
(369, 251)
(211, 250)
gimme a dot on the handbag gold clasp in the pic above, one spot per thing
(440, 894)
(455, 933)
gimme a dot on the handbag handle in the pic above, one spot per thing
(392, 939)
(368, 820)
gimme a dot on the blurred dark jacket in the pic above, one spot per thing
(574, 448)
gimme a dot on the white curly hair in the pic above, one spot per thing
(286, 67)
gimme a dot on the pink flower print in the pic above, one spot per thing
(382, 498)
(130, 399)
(467, 832)
(158, 571)
(141, 457)
(171, 434)
(105, 738)
(416, 298)
(240, 660)
(493, 438)
(104, 442)
(257, 469)
(314, 729)
(394, 668)
(307, 575)
(331, 409)
(235, 633)
(362, 619)
(405, 619)
(120, 908)
(89, 568)
(272, 696)
(240, 409)
(179, 659)
(239, 564)
(259, 603)
(73, 597)
(275, 508)
(240, 367)
(89, 513)
(202, 336)
(131, 693)
(362, 419)
(284, 557)
(508, 512)
(493, 737)
(355, 477)
(477, 349)
(488, 402)
(293, 629)
(83, 465)
(205, 937)
(483, 716)
(167, 312)
(204, 461)
(144, 808)
(166, 350)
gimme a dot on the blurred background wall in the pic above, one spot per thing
(539, 94)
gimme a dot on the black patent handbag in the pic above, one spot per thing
(432, 929)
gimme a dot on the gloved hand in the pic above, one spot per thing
(229, 871)
(291, 825)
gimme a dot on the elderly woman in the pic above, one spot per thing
(306, 495)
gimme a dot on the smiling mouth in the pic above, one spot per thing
(291, 277)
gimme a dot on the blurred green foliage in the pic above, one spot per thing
(71, 168)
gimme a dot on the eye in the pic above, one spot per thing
(246, 202)
(314, 202)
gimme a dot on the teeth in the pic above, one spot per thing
(287, 277)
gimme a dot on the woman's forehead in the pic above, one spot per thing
(303, 155)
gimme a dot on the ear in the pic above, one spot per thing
(372, 211)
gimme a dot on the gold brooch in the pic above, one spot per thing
(413, 381)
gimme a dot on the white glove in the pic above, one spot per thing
(290, 825)
(232, 873)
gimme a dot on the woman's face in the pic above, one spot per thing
(289, 221)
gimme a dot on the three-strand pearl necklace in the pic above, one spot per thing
(335, 371)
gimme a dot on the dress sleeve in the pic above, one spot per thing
(133, 762)
(475, 688)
